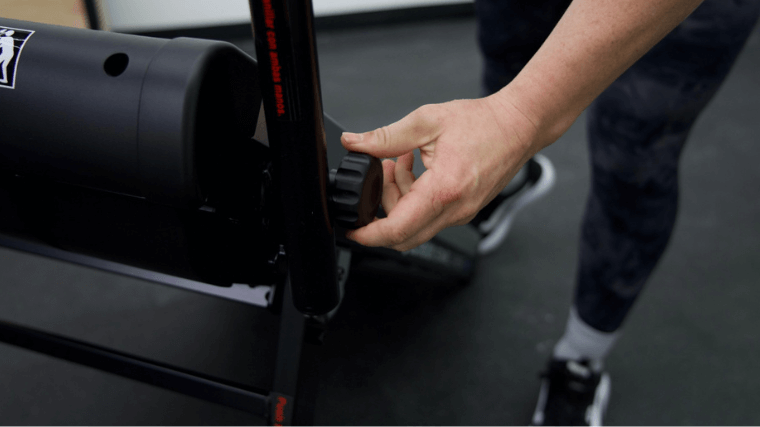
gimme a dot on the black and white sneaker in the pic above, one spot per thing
(533, 181)
(571, 394)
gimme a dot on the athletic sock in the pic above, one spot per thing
(582, 342)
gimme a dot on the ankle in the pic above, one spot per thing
(582, 342)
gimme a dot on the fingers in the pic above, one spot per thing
(427, 233)
(397, 180)
(403, 172)
(391, 193)
(408, 223)
(413, 131)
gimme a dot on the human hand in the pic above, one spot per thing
(471, 149)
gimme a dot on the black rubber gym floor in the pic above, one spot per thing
(463, 356)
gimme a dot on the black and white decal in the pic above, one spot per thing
(12, 41)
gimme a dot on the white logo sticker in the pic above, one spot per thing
(12, 41)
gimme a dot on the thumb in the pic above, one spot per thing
(397, 139)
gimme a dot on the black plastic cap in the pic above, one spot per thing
(357, 189)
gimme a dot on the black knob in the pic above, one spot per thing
(356, 189)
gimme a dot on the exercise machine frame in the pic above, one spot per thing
(307, 268)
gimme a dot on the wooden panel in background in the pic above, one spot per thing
(59, 12)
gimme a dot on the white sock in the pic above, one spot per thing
(581, 341)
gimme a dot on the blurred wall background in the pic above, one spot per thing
(150, 15)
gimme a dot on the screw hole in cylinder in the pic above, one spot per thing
(116, 64)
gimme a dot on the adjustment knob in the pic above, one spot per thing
(356, 189)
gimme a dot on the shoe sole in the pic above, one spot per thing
(598, 408)
(498, 225)
(601, 399)
(538, 413)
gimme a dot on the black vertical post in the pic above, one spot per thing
(291, 401)
(289, 76)
(93, 17)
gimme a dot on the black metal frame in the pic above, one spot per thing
(289, 80)
(290, 86)
(171, 378)
(277, 405)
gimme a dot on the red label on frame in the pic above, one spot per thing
(280, 65)
(282, 410)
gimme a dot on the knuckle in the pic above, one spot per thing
(463, 216)
(398, 236)
(466, 179)
(448, 194)
(400, 248)
(424, 112)
(406, 246)
(427, 117)
(383, 137)
(459, 186)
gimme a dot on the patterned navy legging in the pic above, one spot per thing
(636, 129)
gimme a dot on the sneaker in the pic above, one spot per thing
(493, 222)
(571, 394)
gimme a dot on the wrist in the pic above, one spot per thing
(530, 99)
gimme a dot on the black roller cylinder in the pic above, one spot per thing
(122, 113)
(135, 150)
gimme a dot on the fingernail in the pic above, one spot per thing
(353, 138)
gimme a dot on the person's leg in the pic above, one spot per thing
(509, 33)
(637, 129)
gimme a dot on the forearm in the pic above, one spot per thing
(593, 43)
